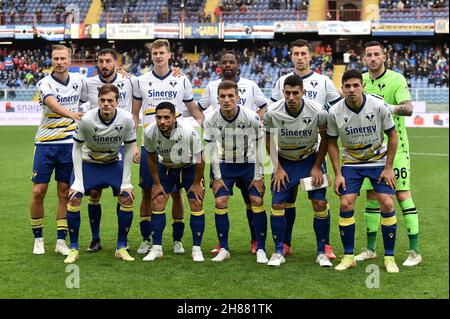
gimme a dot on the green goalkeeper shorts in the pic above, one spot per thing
(401, 171)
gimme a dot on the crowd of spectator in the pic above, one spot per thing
(23, 68)
(409, 4)
(264, 64)
(417, 62)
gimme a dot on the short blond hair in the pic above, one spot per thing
(158, 44)
(60, 47)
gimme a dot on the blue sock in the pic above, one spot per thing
(222, 226)
(73, 224)
(36, 226)
(158, 225)
(389, 230)
(95, 216)
(289, 214)
(124, 219)
(249, 214)
(197, 224)
(347, 231)
(278, 225)
(146, 227)
(177, 229)
(320, 226)
(260, 226)
(61, 226)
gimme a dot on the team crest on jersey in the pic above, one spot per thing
(242, 91)
(75, 87)
(220, 127)
(307, 120)
(173, 83)
(118, 128)
(120, 85)
(313, 84)
(283, 122)
(240, 126)
(57, 90)
(381, 86)
(95, 129)
(370, 116)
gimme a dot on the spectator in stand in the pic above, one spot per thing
(59, 11)
(38, 14)
(12, 15)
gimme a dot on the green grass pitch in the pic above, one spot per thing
(24, 275)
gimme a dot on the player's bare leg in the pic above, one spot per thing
(37, 216)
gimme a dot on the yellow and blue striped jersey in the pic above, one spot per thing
(176, 150)
(361, 132)
(298, 134)
(237, 137)
(102, 140)
(55, 129)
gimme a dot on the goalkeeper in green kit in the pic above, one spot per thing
(392, 87)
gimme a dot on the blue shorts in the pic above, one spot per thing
(240, 174)
(49, 157)
(145, 178)
(98, 176)
(296, 170)
(354, 177)
(174, 179)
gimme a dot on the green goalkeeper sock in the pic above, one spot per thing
(372, 221)
(411, 222)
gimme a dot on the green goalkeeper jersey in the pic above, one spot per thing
(393, 88)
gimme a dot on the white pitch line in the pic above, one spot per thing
(430, 154)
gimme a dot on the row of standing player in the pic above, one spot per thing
(321, 89)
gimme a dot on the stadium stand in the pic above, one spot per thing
(42, 11)
(391, 10)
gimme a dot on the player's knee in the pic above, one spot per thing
(319, 205)
(95, 194)
(126, 201)
(75, 202)
(257, 201)
(403, 195)
(194, 206)
(221, 202)
(386, 205)
(38, 193)
(371, 194)
(346, 205)
(278, 206)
